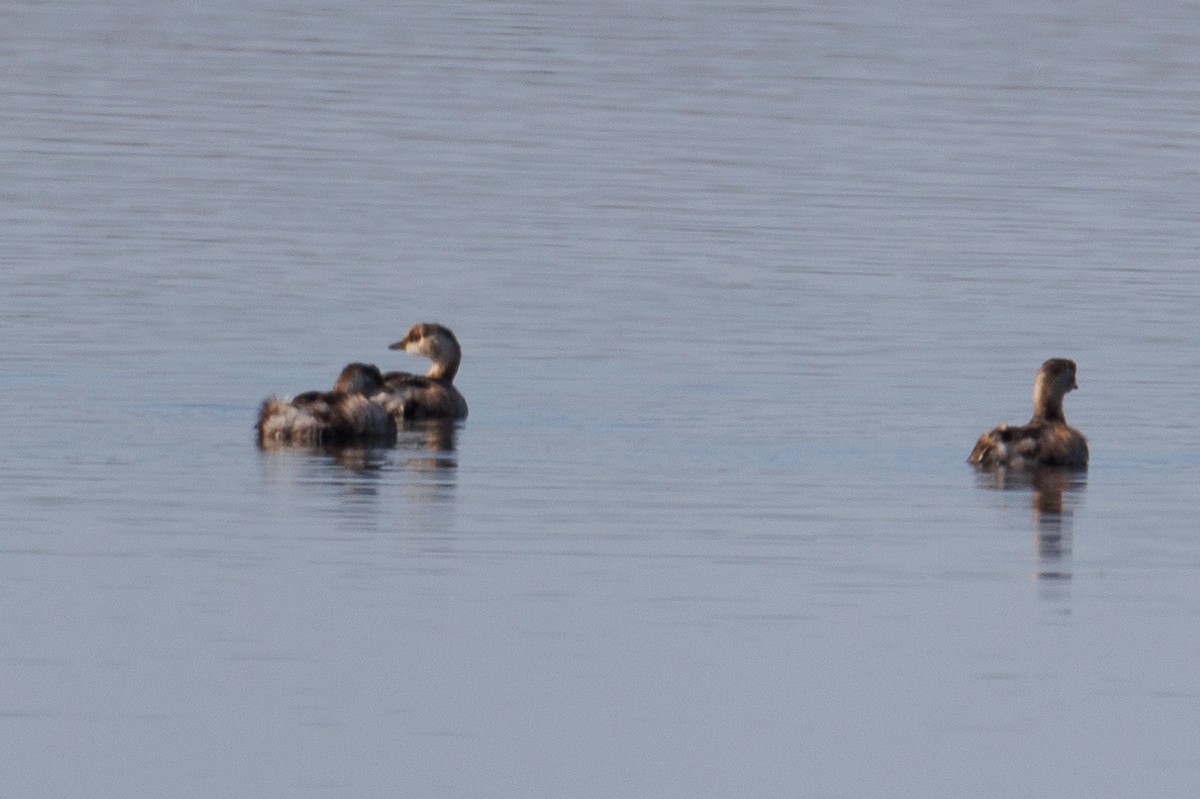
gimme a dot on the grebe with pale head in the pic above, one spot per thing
(1047, 440)
(432, 395)
(345, 415)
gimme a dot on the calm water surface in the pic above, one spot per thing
(738, 286)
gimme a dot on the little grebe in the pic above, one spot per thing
(432, 395)
(1047, 440)
(343, 416)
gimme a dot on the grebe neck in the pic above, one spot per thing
(444, 368)
(1047, 403)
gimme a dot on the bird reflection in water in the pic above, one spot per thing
(434, 439)
(355, 457)
(428, 445)
(1055, 493)
(424, 451)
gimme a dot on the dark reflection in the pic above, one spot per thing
(1055, 494)
(357, 476)
(425, 452)
(424, 446)
(348, 474)
(354, 457)
(428, 446)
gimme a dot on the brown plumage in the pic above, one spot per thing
(432, 395)
(345, 415)
(1047, 440)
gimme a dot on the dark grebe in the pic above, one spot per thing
(433, 395)
(1047, 440)
(342, 416)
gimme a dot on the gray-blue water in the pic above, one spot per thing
(738, 286)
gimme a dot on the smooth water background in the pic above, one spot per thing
(738, 285)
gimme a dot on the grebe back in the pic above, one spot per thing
(343, 416)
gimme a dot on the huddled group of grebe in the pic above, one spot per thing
(367, 406)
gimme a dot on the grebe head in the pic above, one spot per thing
(1054, 380)
(359, 378)
(432, 340)
(437, 344)
(1057, 376)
